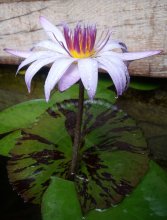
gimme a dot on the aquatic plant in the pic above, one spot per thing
(76, 54)
(101, 139)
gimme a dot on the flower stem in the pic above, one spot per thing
(77, 133)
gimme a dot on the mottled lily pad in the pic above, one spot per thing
(8, 141)
(113, 154)
(147, 202)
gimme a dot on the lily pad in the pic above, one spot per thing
(24, 114)
(147, 202)
(60, 201)
(7, 143)
(21, 115)
(144, 84)
(113, 154)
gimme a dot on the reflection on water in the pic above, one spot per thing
(148, 108)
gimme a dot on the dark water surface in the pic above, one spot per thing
(148, 108)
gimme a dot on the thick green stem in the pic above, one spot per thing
(77, 134)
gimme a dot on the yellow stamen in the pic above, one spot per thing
(87, 54)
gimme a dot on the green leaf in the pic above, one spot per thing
(8, 142)
(147, 202)
(24, 114)
(113, 156)
(144, 84)
(103, 89)
(21, 115)
(60, 201)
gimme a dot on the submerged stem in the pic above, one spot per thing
(77, 133)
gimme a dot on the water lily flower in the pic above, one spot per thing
(76, 54)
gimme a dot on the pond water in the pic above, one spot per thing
(148, 108)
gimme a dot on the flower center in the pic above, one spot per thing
(80, 41)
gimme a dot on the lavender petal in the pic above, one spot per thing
(18, 53)
(52, 31)
(70, 77)
(56, 72)
(34, 68)
(88, 71)
(137, 55)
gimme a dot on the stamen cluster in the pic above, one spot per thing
(81, 40)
